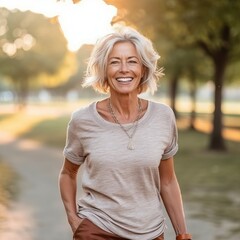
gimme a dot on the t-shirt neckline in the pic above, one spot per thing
(103, 121)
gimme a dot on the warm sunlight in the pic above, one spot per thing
(82, 23)
(85, 21)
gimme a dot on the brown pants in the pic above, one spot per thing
(89, 231)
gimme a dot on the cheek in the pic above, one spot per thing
(140, 73)
(110, 71)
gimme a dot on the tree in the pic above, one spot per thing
(214, 28)
(197, 71)
(189, 64)
(211, 26)
(30, 45)
(76, 79)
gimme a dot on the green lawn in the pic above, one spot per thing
(50, 132)
(5, 116)
(209, 178)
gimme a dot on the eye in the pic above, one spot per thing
(114, 62)
(132, 61)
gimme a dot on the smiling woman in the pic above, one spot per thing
(82, 22)
(126, 144)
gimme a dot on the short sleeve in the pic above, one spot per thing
(172, 147)
(73, 150)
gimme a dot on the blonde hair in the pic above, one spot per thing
(96, 69)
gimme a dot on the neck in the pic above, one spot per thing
(125, 111)
(124, 104)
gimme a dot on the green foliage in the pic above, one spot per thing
(182, 23)
(30, 46)
(40, 44)
(206, 19)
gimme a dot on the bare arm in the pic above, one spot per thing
(68, 190)
(171, 196)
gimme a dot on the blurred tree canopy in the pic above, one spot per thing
(31, 46)
(211, 26)
(199, 40)
(75, 80)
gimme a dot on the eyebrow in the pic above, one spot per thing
(127, 58)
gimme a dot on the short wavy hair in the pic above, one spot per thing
(97, 64)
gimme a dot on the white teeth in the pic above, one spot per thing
(124, 79)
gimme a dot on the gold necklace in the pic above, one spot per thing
(134, 126)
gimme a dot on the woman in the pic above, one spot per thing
(127, 146)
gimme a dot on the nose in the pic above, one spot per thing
(124, 67)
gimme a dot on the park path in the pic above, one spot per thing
(38, 212)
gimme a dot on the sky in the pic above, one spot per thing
(82, 23)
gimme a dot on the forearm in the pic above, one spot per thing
(68, 190)
(172, 200)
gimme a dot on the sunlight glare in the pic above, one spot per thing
(45, 7)
(81, 23)
(85, 22)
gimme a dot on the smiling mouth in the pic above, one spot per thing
(124, 79)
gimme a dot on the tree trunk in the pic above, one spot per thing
(220, 59)
(173, 94)
(216, 139)
(193, 103)
(22, 90)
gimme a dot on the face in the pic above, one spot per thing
(124, 69)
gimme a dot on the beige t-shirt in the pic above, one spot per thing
(122, 186)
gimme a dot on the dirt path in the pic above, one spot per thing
(38, 213)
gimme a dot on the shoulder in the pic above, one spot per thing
(161, 108)
(82, 113)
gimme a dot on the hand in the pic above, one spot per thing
(75, 222)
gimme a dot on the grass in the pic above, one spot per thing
(51, 132)
(209, 178)
(8, 188)
(5, 116)
(208, 169)
(8, 183)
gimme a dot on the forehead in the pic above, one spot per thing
(123, 48)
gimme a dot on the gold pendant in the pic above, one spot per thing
(130, 145)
